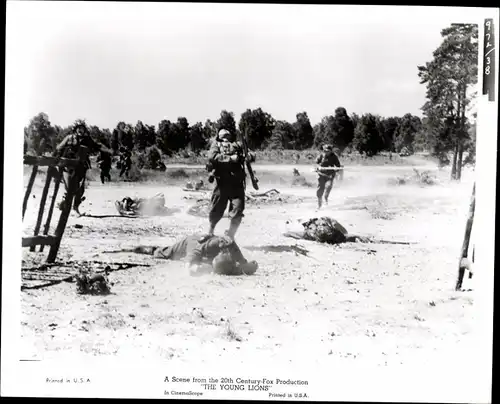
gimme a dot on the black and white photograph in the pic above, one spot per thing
(249, 201)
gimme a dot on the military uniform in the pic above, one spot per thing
(325, 178)
(226, 163)
(104, 161)
(125, 162)
(196, 252)
(69, 148)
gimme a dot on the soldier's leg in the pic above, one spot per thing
(236, 209)
(103, 176)
(320, 189)
(328, 188)
(218, 205)
(79, 198)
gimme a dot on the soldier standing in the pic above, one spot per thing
(226, 163)
(326, 160)
(69, 148)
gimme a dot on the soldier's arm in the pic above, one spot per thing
(336, 161)
(319, 159)
(61, 145)
(215, 156)
(97, 146)
(236, 254)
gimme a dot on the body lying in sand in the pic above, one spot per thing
(327, 230)
(222, 253)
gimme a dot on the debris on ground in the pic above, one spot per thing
(92, 284)
(134, 207)
(195, 186)
(44, 275)
(418, 178)
(201, 207)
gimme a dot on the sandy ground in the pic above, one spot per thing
(377, 304)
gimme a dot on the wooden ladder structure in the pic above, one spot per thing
(55, 172)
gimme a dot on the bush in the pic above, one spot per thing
(178, 173)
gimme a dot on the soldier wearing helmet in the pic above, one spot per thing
(226, 164)
(221, 253)
(326, 160)
(70, 147)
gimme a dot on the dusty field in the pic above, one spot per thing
(376, 304)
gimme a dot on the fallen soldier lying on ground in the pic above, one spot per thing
(142, 206)
(330, 231)
(223, 254)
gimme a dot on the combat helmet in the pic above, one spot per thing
(224, 134)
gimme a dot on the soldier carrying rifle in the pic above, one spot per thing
(226, 162)
(328, 163)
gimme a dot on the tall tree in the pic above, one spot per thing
(343, 129)
(141, 136)
(163, 136)
(324, 131)
(283, 136)
(258, 125)
(40, 134)
(449, 78)
(226, 121)
(368, 137)
(209, 132)
(303, 132)
(181, 133)
(404, 135)
(389, 126)
(197, 140)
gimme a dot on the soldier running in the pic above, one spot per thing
(327, 159)
(221, 252)
(104, 162)
(226, 163)
(69, 148)
(125, 161)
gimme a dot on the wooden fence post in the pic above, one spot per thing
(58, 173)
(30, 186)
(43, 200)
(465, 244)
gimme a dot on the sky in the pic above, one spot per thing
(107, 62)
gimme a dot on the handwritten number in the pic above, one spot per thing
(488, 35)
(487, 60)
(488, 45)
(487, 70)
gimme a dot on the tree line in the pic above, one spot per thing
(368, 134)
(444, 131)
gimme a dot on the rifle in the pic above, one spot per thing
(253, 178)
